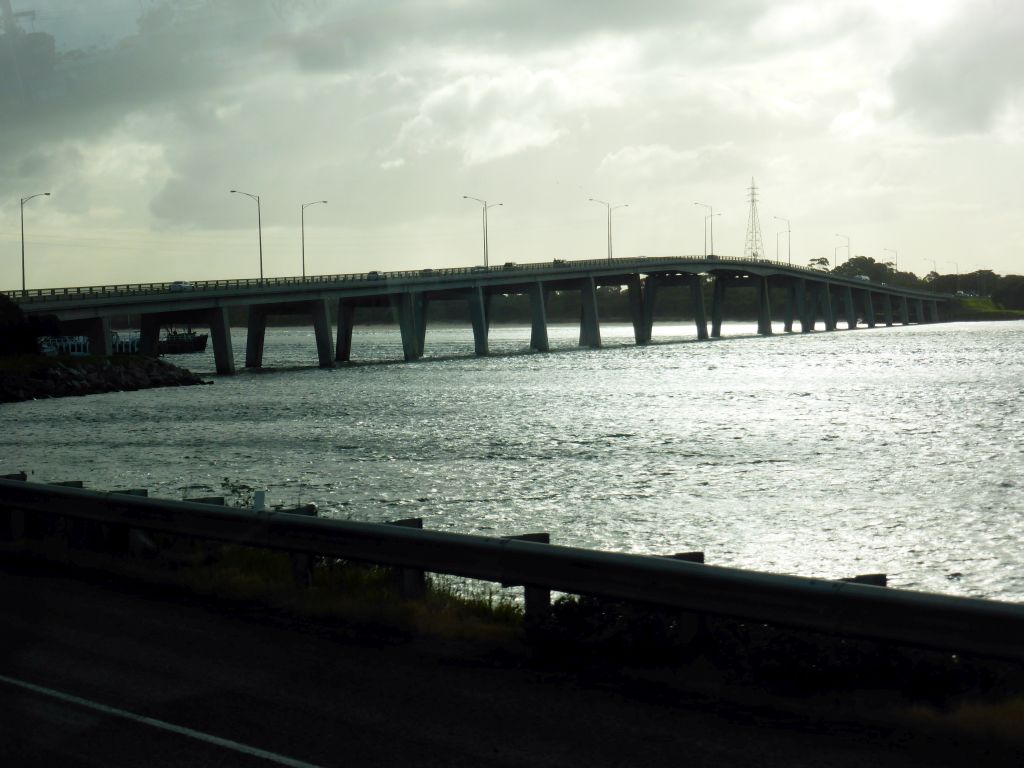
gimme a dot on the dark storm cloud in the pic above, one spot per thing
(960, 79)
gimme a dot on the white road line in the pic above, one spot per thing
(245, 749)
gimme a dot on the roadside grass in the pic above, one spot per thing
(1001, 721)
(356, 593)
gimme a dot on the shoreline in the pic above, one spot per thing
(35, 377)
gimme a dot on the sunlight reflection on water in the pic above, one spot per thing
(895, 450)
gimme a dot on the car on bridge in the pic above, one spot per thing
(181, 285)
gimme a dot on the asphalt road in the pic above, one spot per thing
(97, 672)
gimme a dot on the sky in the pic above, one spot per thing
(896, 123)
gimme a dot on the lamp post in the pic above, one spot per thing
(896, 256)
(484, 205)
(23, 201)
(259, 224)
(711, 215)
(848, 253)
(609, 208)
(789, 242)
(304, 207)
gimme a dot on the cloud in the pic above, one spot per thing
(963, 77)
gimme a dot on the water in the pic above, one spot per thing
(889, 450)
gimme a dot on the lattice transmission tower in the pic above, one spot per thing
(753, 248)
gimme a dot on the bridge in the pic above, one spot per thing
(810, 296)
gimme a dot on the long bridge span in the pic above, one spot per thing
(811, 296)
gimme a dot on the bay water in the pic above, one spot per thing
(896, 450)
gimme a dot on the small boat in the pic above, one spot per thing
(182, 342)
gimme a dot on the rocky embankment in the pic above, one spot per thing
(36, 378)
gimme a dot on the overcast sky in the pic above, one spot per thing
(895, 122)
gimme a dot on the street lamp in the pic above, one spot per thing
(711, 215)
(609, 208)
(23, 201)
(847, 245)
(789, 242)
(484, 205)
(304, 207)
(259, 224)
(896, 255)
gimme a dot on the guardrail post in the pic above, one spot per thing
(119, 537)
(346, 320)
(536, 599)
(412, 582)
(538, 317)
(697, 303)
(302, 562)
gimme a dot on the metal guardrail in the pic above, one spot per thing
(953, 624)
(144, 289)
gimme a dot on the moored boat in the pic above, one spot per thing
(182, 342)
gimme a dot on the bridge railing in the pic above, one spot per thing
(642, 262)
(955, 624)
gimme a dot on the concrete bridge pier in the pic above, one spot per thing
(408, 306)
(220, 335)
(98, 332)
(254, 338)
(851, 310)
(478, 318)
(792, 312)
(538, 318)
(257, 329)
(887, 304)
(904, 310)
(934, 306)
(590, 328)
(828, 308)
(764, 310)
(149, 335)
(647, 296)
(322, 331)
(346, 321)
(869, 309)
(636, 294)
(919, 306)
(717, 304)
(697, 303)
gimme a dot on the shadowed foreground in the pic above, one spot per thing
(344, 696)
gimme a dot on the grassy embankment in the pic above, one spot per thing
(978, 308)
